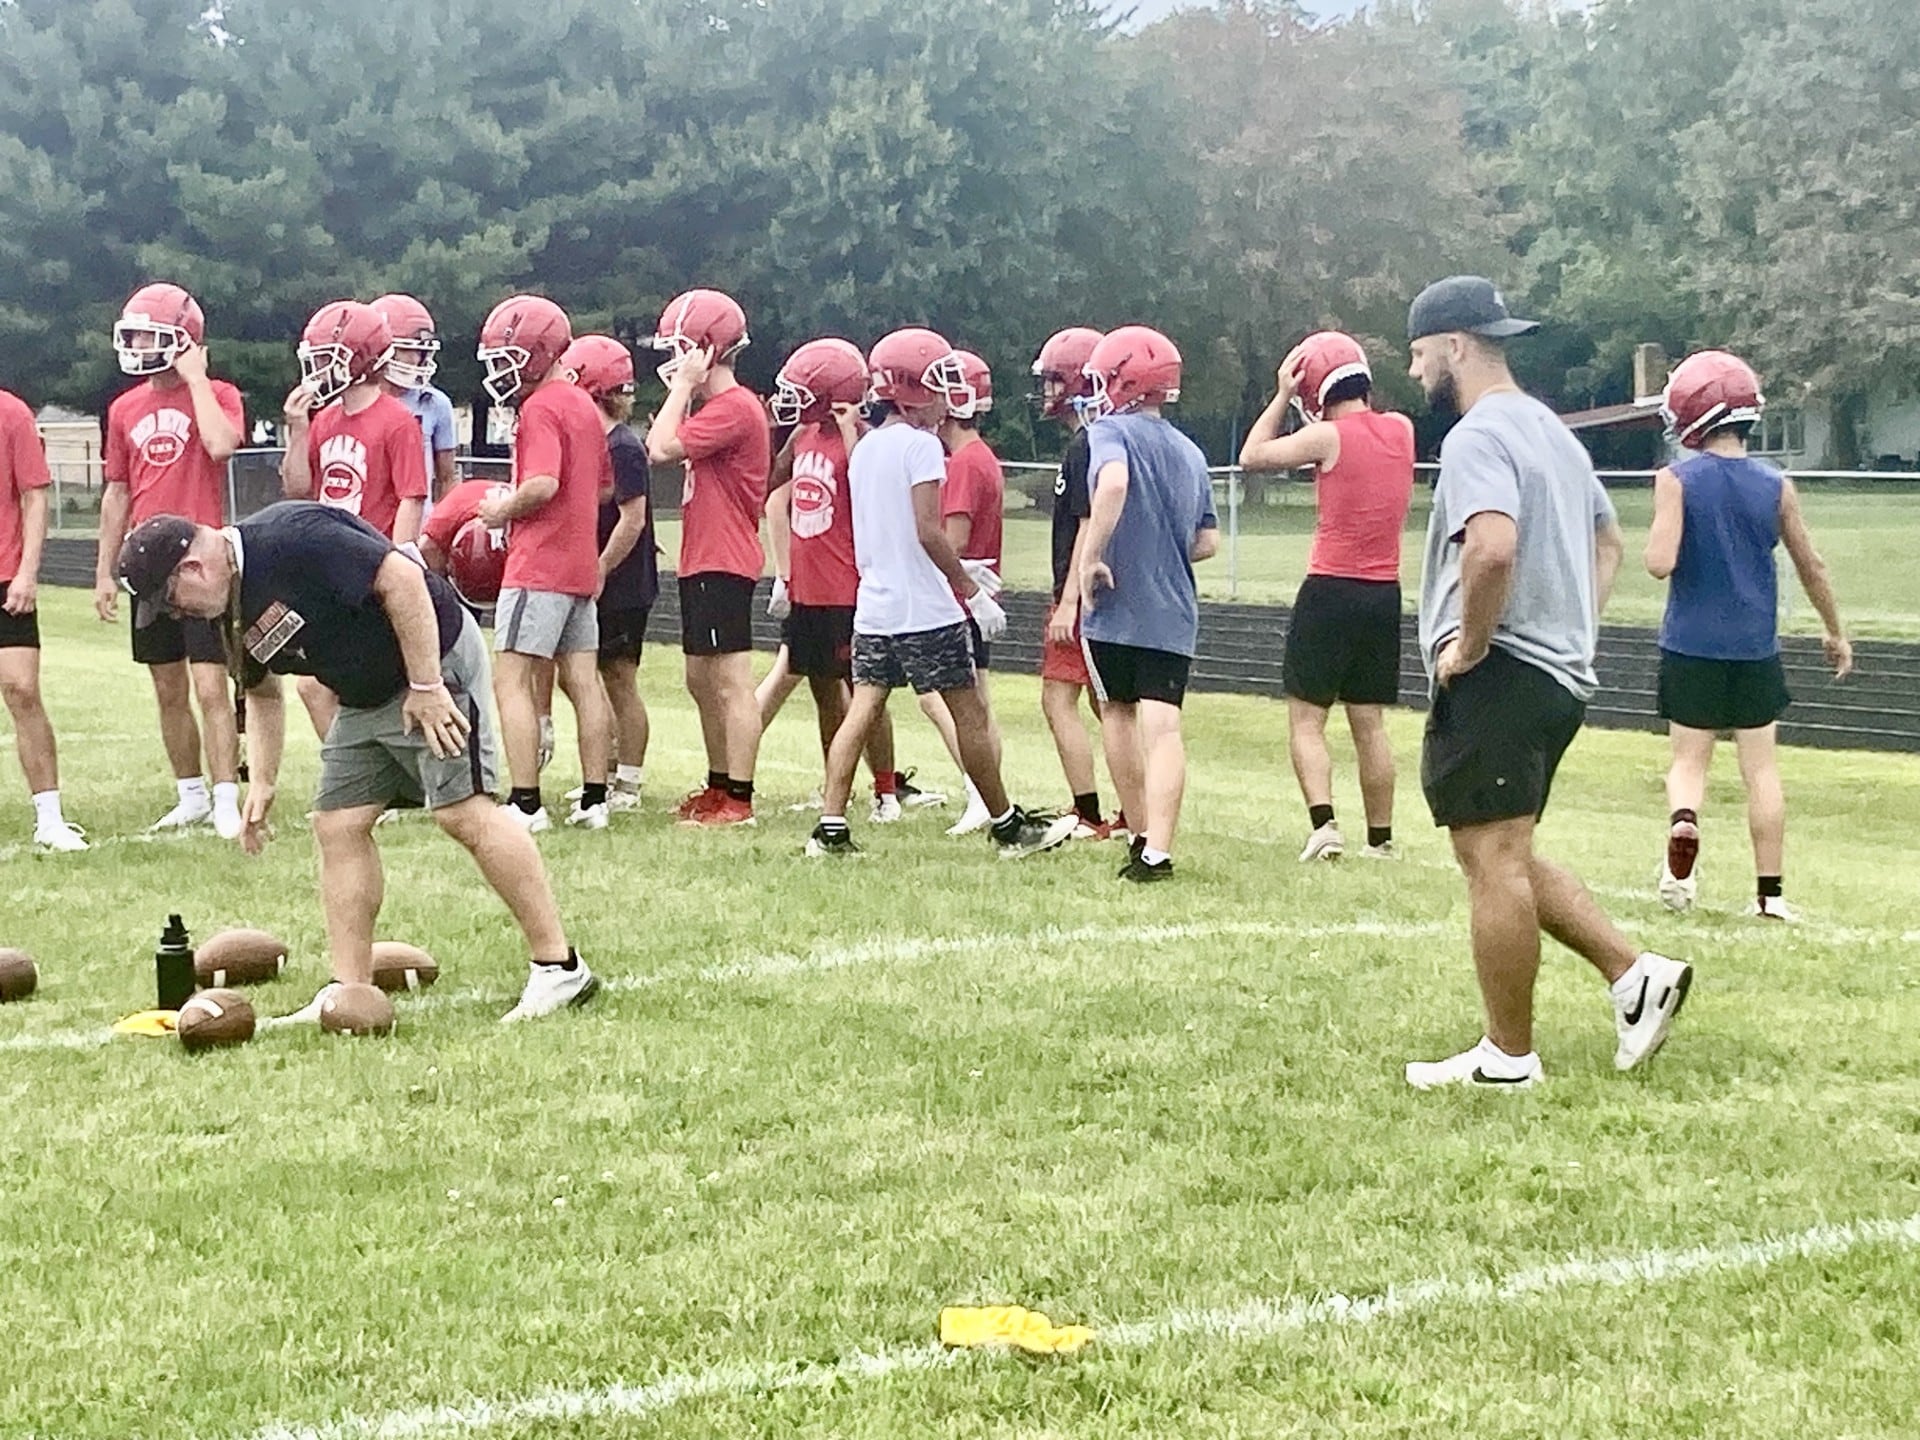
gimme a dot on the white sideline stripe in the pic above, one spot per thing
(1259, 1319)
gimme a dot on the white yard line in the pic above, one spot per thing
(1253, 1320)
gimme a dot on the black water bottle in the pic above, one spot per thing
(173, 966)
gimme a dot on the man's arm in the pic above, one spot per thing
(1609, 549)
(525, 498)
(406, 521)
(1814, 579)
(1486, 579)
(933, 538)
(114, 503)
(1669, 519)
(1206, 544)
(444, 477)
(296, 463)
(778, 510)
(24, 592)
(959, 530)
(664, 446)
(1317, 444)
(266, 742)
(1109, 499)
(401, 588)
(220, 436)
(625, 535)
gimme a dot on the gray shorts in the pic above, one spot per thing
(545, 623)
(927, 660)
(366, 758)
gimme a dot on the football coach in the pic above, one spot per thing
(307, 589)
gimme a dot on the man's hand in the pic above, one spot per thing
(693, 370)
(1286, 382)
(1095, 576)
(982, 573)
(254, 829)
(191, 363)
(437, 718)
(494, 510)
(1453, 661)
(106, 600)
(22, 595)
(779, 603)
(299, 407)
(987, 614)
(1065, 618)
(1838, 648)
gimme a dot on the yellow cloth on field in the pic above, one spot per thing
(968, 1327)
(147, 1022)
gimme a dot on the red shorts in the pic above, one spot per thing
(1065, 663)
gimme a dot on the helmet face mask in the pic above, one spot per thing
(505, 370)
(412, 364)
(521, 343)
(145, 347)
(326, 371)
(695, 321)
(791, 401)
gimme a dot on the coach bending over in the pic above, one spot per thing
(307, 589)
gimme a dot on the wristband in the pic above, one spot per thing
(420, 689)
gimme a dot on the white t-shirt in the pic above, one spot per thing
(902, 591)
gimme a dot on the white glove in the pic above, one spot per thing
(779, 603)
(982, 574)
(988, 615)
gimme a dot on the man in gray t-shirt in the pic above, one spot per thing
(1521, 553)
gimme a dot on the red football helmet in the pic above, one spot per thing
(524, 336)
(700, 320)
(915, 367)
(601, 365)
(477, 562)
(1062, 362)
(1707, 391)
(155, 325)
(1327, 357)
(1133, 366)
(344, 344)
(816, 377)
(416, 340)
(979, 379)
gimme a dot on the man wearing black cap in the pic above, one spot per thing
(1522, 549)
(308, 589)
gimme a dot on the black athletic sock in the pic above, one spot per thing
(716, 779)
(1378, 835)
(1318, 815)
(738, 789)
(1769, 887)
(571, 963)
(592, 794)
(1008, 828)
(836, 826)
(1087, 807)
(1683, 816)
(524, 799)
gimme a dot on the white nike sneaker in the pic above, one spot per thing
(1324, 844)
(886, 809)
(226, 822)
(60, 836)
(186, 815)
(1645, 1001)
(551, 988)
(622, 799)
(591, 817)
(533, 824)
(307, 1014)
(546, 742)
(1484, 1065)
(1775, 908)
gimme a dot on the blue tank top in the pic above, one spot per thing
(1723, 598)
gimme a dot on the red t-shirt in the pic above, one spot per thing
(556, 548)
(368, 462)
(23, 467)
(1363, 499)
(976, 488)
(729, 453)
(154, 449)
(822, 513)
(455, 508)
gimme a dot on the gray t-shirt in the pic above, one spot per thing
(1511, 454)
(1153, 604)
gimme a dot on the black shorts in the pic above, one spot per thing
(1722, 694)
(1343, 642)
(623, 634)
(716, 613)
(927, 660)
(18, 632)
(982, 651)
(168, 641)
(1494, 740)
(1128, 674)
(820, 641)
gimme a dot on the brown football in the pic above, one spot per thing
(399, 966)
(356, 1010)
(215, 1017)
(18, 975)
(239, 957)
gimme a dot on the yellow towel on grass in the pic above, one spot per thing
(966, 1327)
(153, 1023)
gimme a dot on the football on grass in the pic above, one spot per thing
(213, 1018)
(356, 1010)
(18, 975)
(239, 957)
(399, 966)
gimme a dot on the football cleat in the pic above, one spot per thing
(913, 797)
(1324, 844)
(1023, 834)
(830, 844)
(187, 814)
(1140, 872)
(722, 811)
(591, 817)
(551, 988)
(1383, 851)
(534, 823)
(694, 801)
(1773, 907)
(60, 837)
(886, 809)
(623, 799)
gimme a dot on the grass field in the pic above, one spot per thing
(818, 1103)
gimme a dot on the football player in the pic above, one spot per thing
(909, 624)
(1152, 518)
(1717, 517)
(1343, 640)
(350, 444)
(546, 615)
(727, 450)
(168, 442)
(408, 377)
(23, 531)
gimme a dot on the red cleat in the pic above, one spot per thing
(696, 801)
(725, 810)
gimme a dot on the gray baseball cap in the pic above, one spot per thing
(1464, 302)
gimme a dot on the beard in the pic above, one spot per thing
(1443, 396)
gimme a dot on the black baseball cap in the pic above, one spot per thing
(148, 558)
(1464, 302)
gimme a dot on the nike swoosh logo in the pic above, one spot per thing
(1480, 1077)
(1639, 1006)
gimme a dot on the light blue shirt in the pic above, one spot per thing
(433, 412)
(1153, 604)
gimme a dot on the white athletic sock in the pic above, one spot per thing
(46, 809)
(1153, 856)
(833, 822)
(194, 788)
(629, 775)
(226, 795)
(998, 819)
